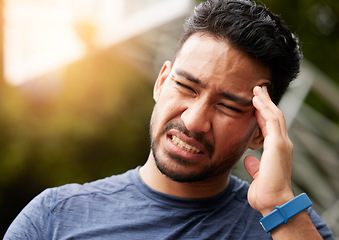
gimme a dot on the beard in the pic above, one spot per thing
(181, 170)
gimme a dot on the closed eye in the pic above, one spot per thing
(185, 86)
(230, 108)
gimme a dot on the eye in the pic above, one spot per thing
(229, 108)
(184, 86)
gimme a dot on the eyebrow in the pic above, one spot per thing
(239, 100)
(190, 77)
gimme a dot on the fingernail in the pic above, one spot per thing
(264, 88)
(257, 88)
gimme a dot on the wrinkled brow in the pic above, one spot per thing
(237, 99)
(190, 77)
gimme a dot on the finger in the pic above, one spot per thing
(252, 165)
(272, 123)
(271, 107)
(269, 114)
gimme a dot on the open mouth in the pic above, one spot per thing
(177, 141)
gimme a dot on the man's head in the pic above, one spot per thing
(254, 30)
(204, 120)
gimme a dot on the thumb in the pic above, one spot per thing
(252, 164)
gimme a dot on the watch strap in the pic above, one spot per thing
(286, 211)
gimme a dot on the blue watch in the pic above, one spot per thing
(281, 214)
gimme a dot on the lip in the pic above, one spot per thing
(182, 152)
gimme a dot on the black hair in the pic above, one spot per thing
(254, 30)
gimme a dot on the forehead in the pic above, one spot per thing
(218, 62)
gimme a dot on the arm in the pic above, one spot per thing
(271, 184)
(32, 221)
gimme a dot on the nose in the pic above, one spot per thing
(196, 118)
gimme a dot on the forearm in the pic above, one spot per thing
(298, 227)
(271, 175)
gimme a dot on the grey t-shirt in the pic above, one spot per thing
(124, 207)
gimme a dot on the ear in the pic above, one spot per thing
(256, 140)
(163, 74)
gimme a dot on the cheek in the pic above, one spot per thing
(231, 131)
(164, 110)
(170, 103)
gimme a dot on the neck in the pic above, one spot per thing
(151, 175)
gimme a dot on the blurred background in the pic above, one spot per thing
(76, 80)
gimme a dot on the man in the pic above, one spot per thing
(212, 103)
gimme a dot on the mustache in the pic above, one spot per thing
(180, 126)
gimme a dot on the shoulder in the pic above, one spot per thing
(239, 201)
(58, 202)
(105, 186)
(240, 188)
(236, 199)
(320, 225)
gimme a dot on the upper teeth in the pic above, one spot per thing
(184, 145)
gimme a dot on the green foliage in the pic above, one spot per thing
(90, 123)
(316, 23)
(91, 119)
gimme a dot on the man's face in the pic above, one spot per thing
(204, 120)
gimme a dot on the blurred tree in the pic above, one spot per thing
(86, 122)
(90, 119)
(316, 24)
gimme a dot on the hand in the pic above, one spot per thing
(271, 184)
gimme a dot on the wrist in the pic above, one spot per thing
(276, 201)
(281, 214)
